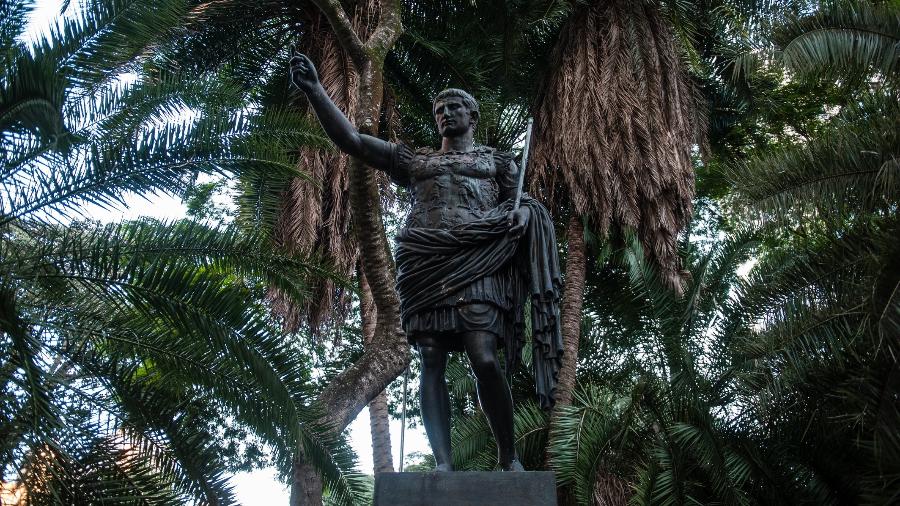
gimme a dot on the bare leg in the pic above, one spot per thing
(435, 400)
(493, 394)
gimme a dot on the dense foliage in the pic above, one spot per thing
(135, 357)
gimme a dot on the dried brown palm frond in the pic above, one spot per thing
(610, 490)
(316, 219)
(615, 124)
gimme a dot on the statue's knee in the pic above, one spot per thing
(485, 364)
(433, 360)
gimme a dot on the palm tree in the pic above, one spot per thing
(818, 374)
(313, 215)
(847, 169)
(769, 390)
(127, 348)
(653, 426)
(619, 121)
(616, 119)
(815, 378)
(320, 222)
(619, 83)
(355, 387)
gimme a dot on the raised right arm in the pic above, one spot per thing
(372, 150)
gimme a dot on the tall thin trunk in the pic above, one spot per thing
(572, 301)
(379, 421)
(381, 434)
(306, 484)
(609, 489)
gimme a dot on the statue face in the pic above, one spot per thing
(452, 117)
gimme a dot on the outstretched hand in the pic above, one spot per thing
(517, 220)
(303, 72)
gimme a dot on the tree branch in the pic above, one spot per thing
(387, 32)
(343, 30)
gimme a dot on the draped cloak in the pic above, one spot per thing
(435, 263)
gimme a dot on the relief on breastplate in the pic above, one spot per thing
(450, 190)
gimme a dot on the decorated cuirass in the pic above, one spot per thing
(452, 188)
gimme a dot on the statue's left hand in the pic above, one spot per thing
(517, 220)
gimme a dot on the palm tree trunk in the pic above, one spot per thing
(572, 301)
(306, 484)
(381, 434)
(609, 489)
(379, 421)
(389, 354)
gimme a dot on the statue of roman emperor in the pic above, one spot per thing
(467, 261)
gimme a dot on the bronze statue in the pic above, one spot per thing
(466, 261)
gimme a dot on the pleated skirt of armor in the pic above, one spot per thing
(485, 305)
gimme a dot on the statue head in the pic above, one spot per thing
(455, 112)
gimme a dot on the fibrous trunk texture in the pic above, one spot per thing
(306, 485)
(615, 125)
(570, 324)
(572, 299)
(379, 418)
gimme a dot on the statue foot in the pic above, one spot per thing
(514, 466)
(443, 468)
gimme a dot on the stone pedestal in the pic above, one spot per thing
(465, 489)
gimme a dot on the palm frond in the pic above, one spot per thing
(844, 40)
(472, 443)
(170, 304)
(165, 159)
(592, 435)
(13, 21)
(103, 37)
(849, 169)
(637, 116)
(811, 335)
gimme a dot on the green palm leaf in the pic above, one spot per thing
(844, 40)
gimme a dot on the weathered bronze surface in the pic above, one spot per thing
(466, 261)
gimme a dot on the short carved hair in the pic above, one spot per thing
(467, 99)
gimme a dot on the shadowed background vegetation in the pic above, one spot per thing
(724, 176)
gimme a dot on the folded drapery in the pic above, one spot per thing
(435, 263)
